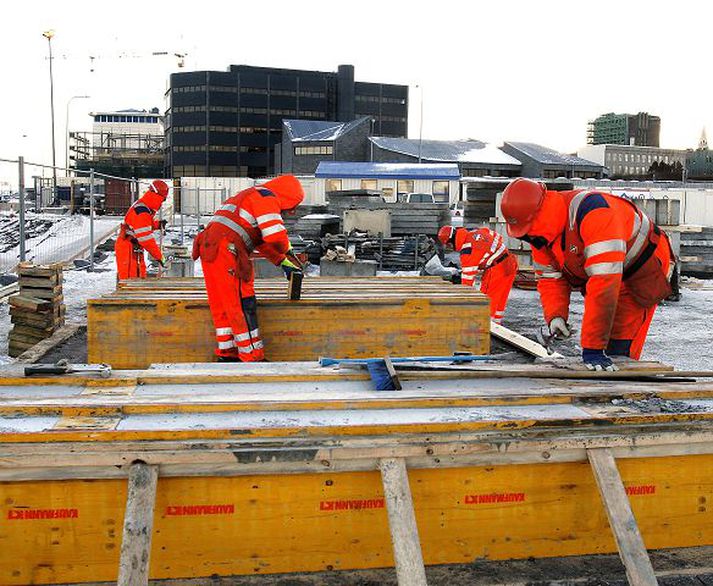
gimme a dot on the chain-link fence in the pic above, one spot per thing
(61, 219)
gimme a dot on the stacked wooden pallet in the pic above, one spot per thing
(37, 311)
(697, 253)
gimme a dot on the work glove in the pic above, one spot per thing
(559, 328)
(162, 262)
(597, 360)
(288, 267)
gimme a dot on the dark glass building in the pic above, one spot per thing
(227, 123)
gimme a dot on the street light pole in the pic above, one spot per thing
(420, 125)
(48, 35)
(66, 131)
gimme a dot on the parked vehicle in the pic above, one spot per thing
(419, 198)
(457, 214)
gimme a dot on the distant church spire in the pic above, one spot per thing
(703, 143)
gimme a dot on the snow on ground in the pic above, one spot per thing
(681, 333)
(50, 238)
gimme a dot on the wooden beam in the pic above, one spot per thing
(410, 570)
(632, 551)
(138, 525)
(520, 342)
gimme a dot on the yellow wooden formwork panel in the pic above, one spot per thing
(309, 522)
(137, 333)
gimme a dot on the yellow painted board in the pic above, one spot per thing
(136, 333)
(70, 531)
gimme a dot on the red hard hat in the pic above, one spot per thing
(445, 234)
(160, 187)
(521, 201)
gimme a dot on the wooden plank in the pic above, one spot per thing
(632, 551)
(521, 342)
(39, 282)
(138, 525)
(31, 303)
(410, 570)
(34, 353)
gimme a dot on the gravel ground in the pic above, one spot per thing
(680, 335)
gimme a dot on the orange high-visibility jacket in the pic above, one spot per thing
(251, 220)
(139, 223)
(479, 250)
(606, 241)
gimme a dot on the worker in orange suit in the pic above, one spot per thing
(247, 221)
(137, 233)
(601, 245)
(483, 254)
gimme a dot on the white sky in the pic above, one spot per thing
(497, 70)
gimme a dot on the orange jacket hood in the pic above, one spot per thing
(287, 190)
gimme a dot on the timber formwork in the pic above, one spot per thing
(271, 468)
(148, 321)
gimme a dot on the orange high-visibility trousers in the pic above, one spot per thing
(232, 306)
(497, 283)
(130, 263)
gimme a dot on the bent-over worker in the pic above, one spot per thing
(602, 245)
(483, 254)
(245, 222)
(137, 233)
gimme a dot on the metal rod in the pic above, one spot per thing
(54, 157)
(21, 193)
(91, 219)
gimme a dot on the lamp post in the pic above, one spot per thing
(48, 35)
(66, 131)
(420, 125)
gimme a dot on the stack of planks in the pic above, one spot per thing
(37, 311)
(167, 320)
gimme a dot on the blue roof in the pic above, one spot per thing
(447, 151)
(318, 130)
(547, 156)
(344, 170)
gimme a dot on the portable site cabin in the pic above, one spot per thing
(391, 179)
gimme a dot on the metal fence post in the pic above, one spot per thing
(134, 189)
(91, 219)
(198, 207)
(181, 212)
(21, 193)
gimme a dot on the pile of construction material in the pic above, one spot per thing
(406, 218)
(391, 254)
(291, 220)
(38, 310)
(314, 226)
(697, 253)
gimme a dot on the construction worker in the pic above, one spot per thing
(247, 221)
(602, 245)
(137, 233)
(483, 254)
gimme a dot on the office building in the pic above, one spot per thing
(542, 162)
(636, 162)
(640, 129)
(227, 123)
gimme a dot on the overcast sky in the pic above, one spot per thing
(497, 70)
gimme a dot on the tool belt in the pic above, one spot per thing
(126, 232)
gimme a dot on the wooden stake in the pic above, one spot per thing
(631, 547)
(138, 525)
(410, 570)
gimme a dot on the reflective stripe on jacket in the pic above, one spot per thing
(479, 250)
(139, 224)
(604, 236)
(253, 218)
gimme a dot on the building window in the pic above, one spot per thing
(189, 128)
(441, 191)
(246, 110)
(404, 186)
(333, 185)
(314, 150)
(369, 184)
(388, 193)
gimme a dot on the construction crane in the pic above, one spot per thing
(180, 57)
